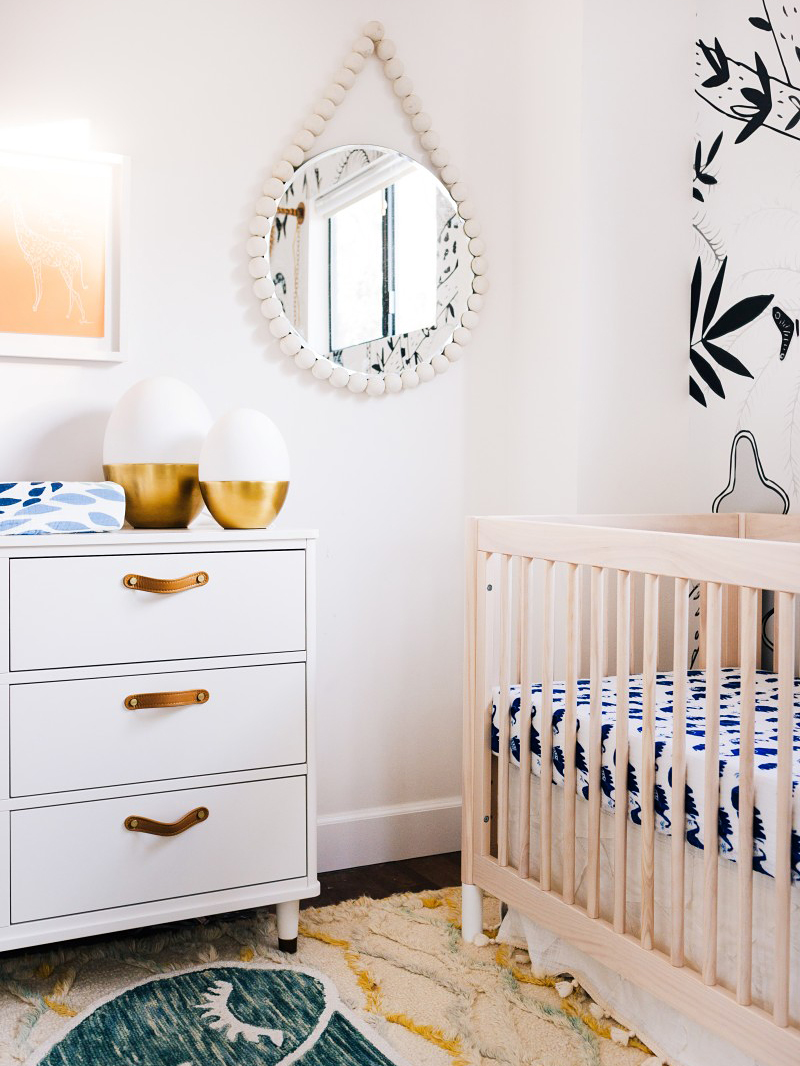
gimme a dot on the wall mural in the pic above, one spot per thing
(744, 351)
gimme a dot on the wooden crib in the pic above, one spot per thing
(558, 599)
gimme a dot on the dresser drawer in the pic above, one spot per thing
(80, 857)
(250, 717)
(76, 611)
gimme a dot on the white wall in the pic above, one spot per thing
(588, 409)
(637, 148)
(203, 96)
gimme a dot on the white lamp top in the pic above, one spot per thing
(158, 420)
(244, 445)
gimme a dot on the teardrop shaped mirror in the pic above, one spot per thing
(369, 269)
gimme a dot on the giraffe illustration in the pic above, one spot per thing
(40, 251)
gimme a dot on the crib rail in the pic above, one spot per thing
(553, 601)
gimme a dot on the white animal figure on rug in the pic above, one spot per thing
(216, 1006)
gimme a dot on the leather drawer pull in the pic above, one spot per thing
(139, 583)
(135, 823)
(143, 700)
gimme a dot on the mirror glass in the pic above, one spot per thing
(369, 259)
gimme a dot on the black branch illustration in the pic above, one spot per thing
(748, 94)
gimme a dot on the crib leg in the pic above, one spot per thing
(471, 912)
(288, 920)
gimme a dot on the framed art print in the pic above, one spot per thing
(61, 244)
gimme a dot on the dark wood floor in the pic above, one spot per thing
(386, 878)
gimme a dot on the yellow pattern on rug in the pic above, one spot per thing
(399, 962)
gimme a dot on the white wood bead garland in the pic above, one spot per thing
(304, 140)
(355, 62)
(291, 344)
(335, 93)
(373, 41)
(274, 186)
(325, 108)
(265, 287)
(364, 46)
(403, 87)
(305, 359)
(283, 170)
(315, 124)
(280, 327)
(346, 78)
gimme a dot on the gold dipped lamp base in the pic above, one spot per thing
(158, 495)
(244, 504)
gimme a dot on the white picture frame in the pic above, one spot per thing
(109, 173)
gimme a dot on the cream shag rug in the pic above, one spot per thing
(398, 963)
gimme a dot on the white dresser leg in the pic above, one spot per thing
(471, 912)
(288, 919)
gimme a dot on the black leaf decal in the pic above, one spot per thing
(697, 284)
(714, 148)
(718, 62)
(761, 101)
(713, 297)
(739, 315)
(760, 24)
(726, 360)
(696, 392)
(707, 372)
(698, 195)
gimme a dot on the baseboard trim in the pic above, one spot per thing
(388, 834)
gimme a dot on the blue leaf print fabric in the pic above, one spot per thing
(765, 764)
(34, 508)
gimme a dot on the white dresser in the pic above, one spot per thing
(156, 729)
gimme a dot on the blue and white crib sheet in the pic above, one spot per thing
(38, 507)
(766, 756)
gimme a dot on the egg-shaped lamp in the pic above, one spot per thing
(244, 470)
(152, 448)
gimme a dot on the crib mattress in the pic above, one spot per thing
(766, 755)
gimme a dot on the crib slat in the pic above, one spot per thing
(748, 629)
(596, 663)
(503, 715)
(632, 668)
(650, 663)
(546, 728)
(624, 612)
(524, 717)
(570, 723)
(678, 790)
(482, 754)
(783, 800)
(713, 652)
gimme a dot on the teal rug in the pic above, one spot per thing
(233, 1014)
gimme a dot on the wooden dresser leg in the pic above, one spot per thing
(288, 920)
(471, 912)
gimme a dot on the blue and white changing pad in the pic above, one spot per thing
(37, 507)
(766, 757)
